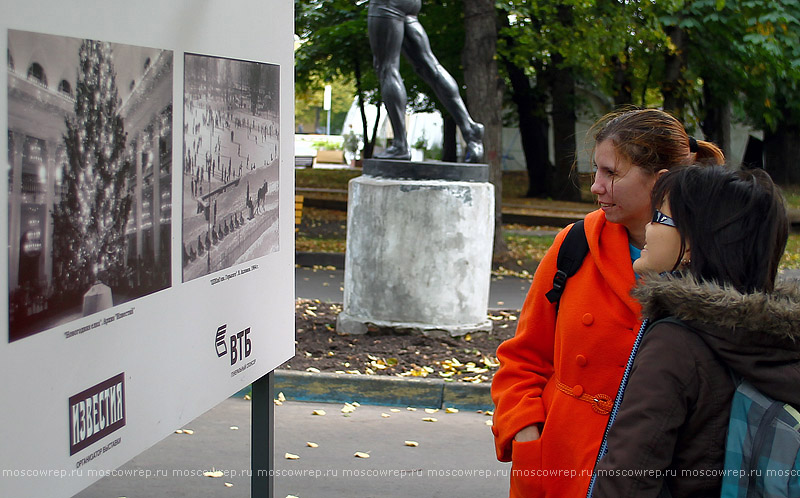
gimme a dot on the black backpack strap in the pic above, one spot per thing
(571, 254)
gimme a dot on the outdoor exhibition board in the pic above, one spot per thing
(148, 225)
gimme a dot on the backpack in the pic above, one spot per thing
(571, 254)
(762, 450)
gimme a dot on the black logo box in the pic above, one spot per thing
(96, 412)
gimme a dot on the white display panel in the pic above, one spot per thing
(148, 224)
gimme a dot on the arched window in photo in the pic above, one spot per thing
(36, 72)
(65, 87)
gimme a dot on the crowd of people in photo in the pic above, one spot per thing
(218, 134)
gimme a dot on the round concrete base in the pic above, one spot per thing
(418, 256)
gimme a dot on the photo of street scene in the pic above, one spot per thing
(230, 163)
(89, 177)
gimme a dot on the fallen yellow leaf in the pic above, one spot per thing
(385, 415)
(431, 410)
(312, 370)
(228, 485)
(411, 409)
(413, 444)
(281, 397)
(360, 454)
(312, 445)
(213, 473)
(394, 410)
(318, 412)
(451, 410)
(430, 419)
(291, 456)
(234, 428)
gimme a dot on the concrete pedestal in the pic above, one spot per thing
(419, 248)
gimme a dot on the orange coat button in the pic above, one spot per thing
(588, 319)
(577, 391)
(581, 360)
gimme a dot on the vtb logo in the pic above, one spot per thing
(240, 344)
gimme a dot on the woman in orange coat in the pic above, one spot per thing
(559, 375)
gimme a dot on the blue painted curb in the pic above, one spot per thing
(380, 390)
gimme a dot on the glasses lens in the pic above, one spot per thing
(663, 219)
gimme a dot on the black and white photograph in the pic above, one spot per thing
(90, 177)
(230, 163)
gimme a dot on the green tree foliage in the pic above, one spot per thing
(707, 61)
(308, 105)
(89, 222)
(332, 45)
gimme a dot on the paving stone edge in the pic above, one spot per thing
(380, 390)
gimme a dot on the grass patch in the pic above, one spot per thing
(307, 244)
(791, 256)
(533, 247)
(524, 247)
(792, 195)
(324, 178)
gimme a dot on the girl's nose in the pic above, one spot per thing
(597, 188)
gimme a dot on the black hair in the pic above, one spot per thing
(735, 222)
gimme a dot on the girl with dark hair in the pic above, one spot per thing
(559, 374)
(710, 261)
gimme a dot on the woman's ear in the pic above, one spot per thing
(661, 172)
(687, 253)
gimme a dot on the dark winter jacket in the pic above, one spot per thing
(671, 428)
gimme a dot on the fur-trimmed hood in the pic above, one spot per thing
(757, 335)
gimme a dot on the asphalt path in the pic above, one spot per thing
(328, 285)
(454, 455)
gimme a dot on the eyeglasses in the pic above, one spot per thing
(659, 217)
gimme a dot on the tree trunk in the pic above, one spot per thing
(716, 124)
(533, 124)
(449, 152)
(623, 87)
(782, 154)
(672, 88)
(369, 143)
(564, 180)
(484, 93)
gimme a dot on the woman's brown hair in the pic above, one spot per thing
(654, 140)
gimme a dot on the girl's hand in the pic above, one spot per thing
(530, 433)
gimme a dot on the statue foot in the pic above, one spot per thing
(398, 153)
(474, 150)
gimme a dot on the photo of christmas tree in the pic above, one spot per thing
(90, 177)
(230, 163)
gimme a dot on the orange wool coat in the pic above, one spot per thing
(563, 374)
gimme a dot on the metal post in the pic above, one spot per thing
(262, 458)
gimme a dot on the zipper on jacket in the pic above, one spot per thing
(617, 402)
